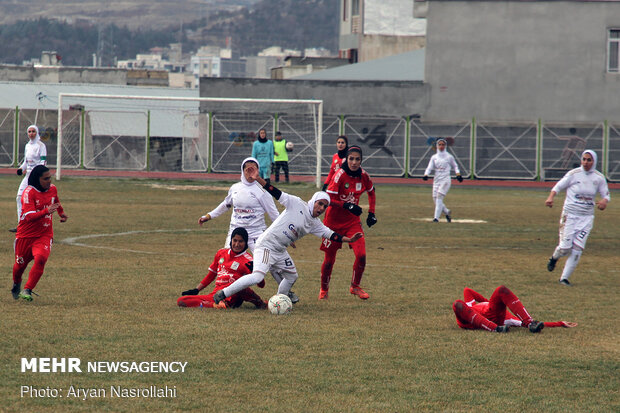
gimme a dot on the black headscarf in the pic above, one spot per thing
(244, 234)
(261, 140)
(35, 177)
(345, 166)
(343, 153)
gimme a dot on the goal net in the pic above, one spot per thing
(183, 134)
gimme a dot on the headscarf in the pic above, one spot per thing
(316, 197)
(246, 160)
(260, 139)
(441, 153)
(594, 159)
(345, 166)
(35, 128)
(244, 234)
(35, 175)
(343, 153)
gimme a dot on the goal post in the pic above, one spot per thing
(174, 133)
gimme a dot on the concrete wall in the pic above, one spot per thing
(521, 60)
(377, 46)
(339, 98)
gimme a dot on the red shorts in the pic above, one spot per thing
(27, 248)
(348, 231)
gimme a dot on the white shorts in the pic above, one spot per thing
(441, 188)
(269, 260)
(574, 230)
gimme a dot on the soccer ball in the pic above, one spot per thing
(280, 304)
(289, 146)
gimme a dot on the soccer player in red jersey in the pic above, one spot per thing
(229, 265)
(475, 312)
(345, 190)
(33, 240)
(342, 144)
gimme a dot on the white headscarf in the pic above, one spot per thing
(316, 197)
(246, 160)
(594, 158)
(441, 153)
(35, 128)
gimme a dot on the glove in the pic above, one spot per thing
(425, 178)
(324, 187)
(20, 171)
(193, 291)
(459, 178)
(371, 220)
(352, 208)
(250, 265)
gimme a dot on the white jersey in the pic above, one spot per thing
(292, 224)
(249, 202)
(581, 188)
(441, 163)
(35, 154)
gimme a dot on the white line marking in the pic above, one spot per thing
(458, 221)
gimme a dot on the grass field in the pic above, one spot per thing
(131, 246)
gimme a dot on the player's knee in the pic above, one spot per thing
(502, 289)
(564, 252)
(361, 260)
(40, 260)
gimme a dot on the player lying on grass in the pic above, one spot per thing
(229, 264)
(475, 312)
(297, 220)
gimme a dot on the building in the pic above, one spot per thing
(371, 29)
(296, 66)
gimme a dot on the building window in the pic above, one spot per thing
(613, 51)
(355, 7)
(344, 10)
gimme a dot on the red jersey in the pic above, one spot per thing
(346, 188)
(36, 221)
(227, 267)
(336, 164)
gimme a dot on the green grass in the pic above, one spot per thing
(400, 351)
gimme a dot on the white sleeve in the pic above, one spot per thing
(223, 207)
(563, 183)
(454, 165)
(266, 201)
(287, 200)
(320, 230)
(603, 190)
(431, 166)
(42, 154)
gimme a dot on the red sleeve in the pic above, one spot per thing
(554, 324)
(372, 196)
(469, 294)
(212, 270)
(332, 171)
(334, 189)
(29, 208)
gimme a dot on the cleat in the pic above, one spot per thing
(294, 298)
(359, 292)
(502, 329)
(565, 282)
(15, 290)
(323, 295)
(435, 220)
(26, 294)
(536, 326)
(449, 216)
(551, 264)
(13, 230)
(219, 296)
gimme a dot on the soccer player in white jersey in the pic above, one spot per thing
(581, 185)
(250, 202)
(298, 219)
(35, 153)
(442, 163)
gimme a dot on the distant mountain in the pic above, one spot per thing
(87, 28)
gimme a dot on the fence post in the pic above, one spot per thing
(605, 148)
(148, 140)
(472, 150)
(82, 136)
(16, 138)
(539, 170)
(210, 126)
(407, 143)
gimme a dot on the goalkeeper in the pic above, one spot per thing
(229, 264)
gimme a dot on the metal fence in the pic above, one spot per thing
(392, 146)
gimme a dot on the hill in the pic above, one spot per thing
(76, 30)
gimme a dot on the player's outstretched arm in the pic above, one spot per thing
(549, 200)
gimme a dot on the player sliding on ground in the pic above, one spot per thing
(297, 220)
(229, 264)
(475, 312)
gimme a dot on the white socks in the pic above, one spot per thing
(571, 263)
